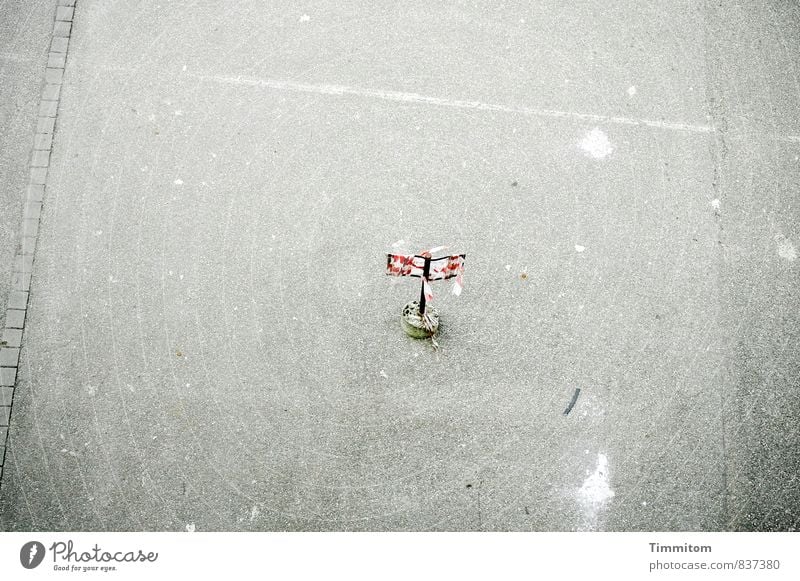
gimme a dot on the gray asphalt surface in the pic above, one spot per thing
(24, 40)
(211, 342)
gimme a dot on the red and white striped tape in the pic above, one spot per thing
(414, 265)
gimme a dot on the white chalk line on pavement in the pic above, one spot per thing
(398, 96)
(340, 90)
(403, 97)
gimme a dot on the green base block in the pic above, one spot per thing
(412, 323)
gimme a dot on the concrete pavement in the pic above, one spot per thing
(211, 343)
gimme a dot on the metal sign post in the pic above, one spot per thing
(426, 271)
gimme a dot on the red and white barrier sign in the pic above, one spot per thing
(441, 268)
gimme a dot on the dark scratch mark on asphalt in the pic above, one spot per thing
(573, 400)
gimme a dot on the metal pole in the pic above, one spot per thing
(426, 270)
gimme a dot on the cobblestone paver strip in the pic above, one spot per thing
(12, 334)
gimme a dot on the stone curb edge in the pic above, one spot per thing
(17, 307)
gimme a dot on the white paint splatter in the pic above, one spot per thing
(596, 144)
(785, 248)
(398, 244)
(178, 182)
(178, 113)
(254, 513)
(383, 374)
(305, 18)
(190, 527)
(595, 493)
(715, 204)
(596, 488)
(631, 91)
(579, 248)
(508, 267)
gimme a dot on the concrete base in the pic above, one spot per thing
(412, 322)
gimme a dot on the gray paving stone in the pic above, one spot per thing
(33, 210)
(66, 2)
(51, 92)
(30, 229)
(3, 433)
(28, 244)
(43, 140)
(15, 318)
(12, 337)
(35, 193)
(5, 415)
(38, 175)
(21, 280)
(9, 356)
(18, 300)
(23, 263)
(7, 377)
(62, 28)
(45, 125)
(2, 458)
(64, 13)
(41, 158)
(48, 108)
(59, 44)
(6, 392)
(57, 60)
(54, 76)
